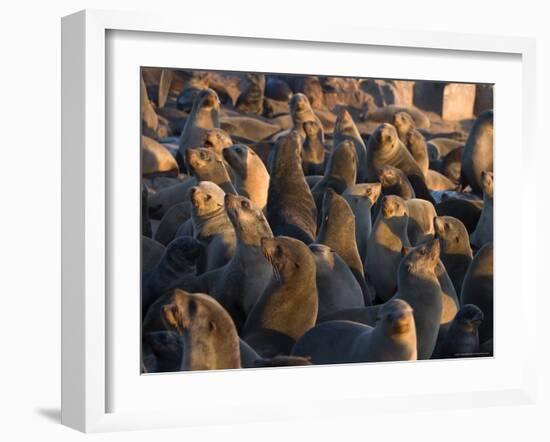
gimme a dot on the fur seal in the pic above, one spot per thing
(277, 89)
(171, 221)
(461, 340)
(403, 123)
(251, 100)
(483, 233)
(451, 165)
(338, 232)
(456, 253)
(205, 165)
(151, 252)
(385, 148)
(477, 289)
(177, 260)
(289, 304)
(313, 149)
(204, 115)
(466, 211)
(445, 146)
(336, 286)
(209, 335)
(420, 227)
(301, 111)
(361, 198)
(438, 181)
(416, 145)
(211, 226)
(345, 129)
(251, 176)
(291, 210)
(385, 115)
(478, 152)
(155, 158)
(338, 342)
(395, 182)
(340, 173)
(217, 140)
(418, 285)
(388, 236)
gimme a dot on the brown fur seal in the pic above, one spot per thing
(395, 182)
(155, 158)
(151, 252)
(445, 146)
(338, 232)
(385, 148)
(204, 165)
(340, 173)
(251, 100)
(204, 115)
(438, 181)
(313, 149)
(209, 335)
(248, 129)
(361, 198)
(403, 123)
(461, 340)
(177, 260)
(251, 176)
(338, 342)
(240, 283)
(483, 233)
(288, 305)
(211, 226)
(456, 253)
(388, 236)
(301, 111)
(416, 145)
(385, 115)
(451, 165)
(478, 152)
(477, 288)
(466, 211)
(337, 287)
(217, 140)
(345, 129)
(291, 210)
(420, 227)
(419, 286)
(169, 224)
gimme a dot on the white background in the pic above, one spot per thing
(30, 218)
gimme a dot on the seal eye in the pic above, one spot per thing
(278, 250)
(239, 150)
(203, 155)
(245, 204)
(208, 197)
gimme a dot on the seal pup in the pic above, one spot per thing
(339, 342)
(384, 245)
(251, 176)
(290, 210)
(483, 233)
(420, 227)
(177, 260)
(313, 149)
(337, 288)
(477, 289)
(385, 148)
(361, 198)
(151, 252)
(338, 232)
(340, 173)
(345, 129)
(251, 100)
(209, 335)
(478, 152)
(156, 159)
(204, 115)
(289, 304)
(417, 283)
(211, 226)
(461, 340)
(456, 253)
(301, 111)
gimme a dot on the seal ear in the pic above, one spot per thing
(212, 326)
(296, 265)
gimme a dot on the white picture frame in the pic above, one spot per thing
(87, 234)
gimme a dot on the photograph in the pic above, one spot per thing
(292, 220)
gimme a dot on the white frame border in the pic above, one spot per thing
(84, 198)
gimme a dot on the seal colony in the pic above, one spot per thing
(295, 220)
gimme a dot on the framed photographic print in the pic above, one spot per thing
(275, 224)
